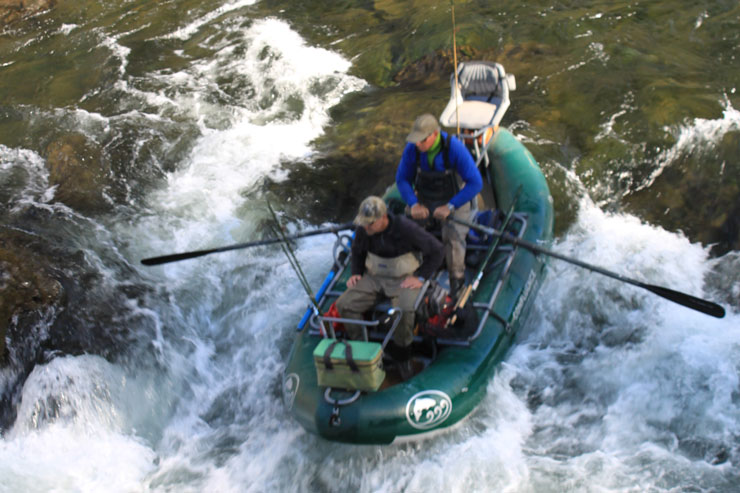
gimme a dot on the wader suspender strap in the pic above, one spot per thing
(347, 353)
(446, 183)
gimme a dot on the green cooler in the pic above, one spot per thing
(352, 365)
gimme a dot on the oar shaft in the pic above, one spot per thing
(684, 299)
(164, 259)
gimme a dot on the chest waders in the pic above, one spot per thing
(435, 188)
(401, 266)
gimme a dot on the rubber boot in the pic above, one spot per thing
(456, 287)
(404, 363)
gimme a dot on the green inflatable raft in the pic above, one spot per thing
(451, 373)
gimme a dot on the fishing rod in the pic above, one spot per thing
(295, 264)
(684, 299)
(175, 257)
(463, 299)
(454, 57)
(292, 259)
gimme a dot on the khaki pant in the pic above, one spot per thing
(364, 295)
(453, 237)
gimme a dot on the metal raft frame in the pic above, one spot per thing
(488, 305)
(318, 322)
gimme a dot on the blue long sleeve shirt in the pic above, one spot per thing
(460, 160)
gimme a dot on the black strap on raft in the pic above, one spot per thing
(347, 354)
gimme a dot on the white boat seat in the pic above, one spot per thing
(473, 114)
(481, 96)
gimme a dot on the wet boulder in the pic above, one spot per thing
(28, 287)
(53, 303)
(698, 194)
(12, 10)
(437, 66)
(30, 296)
(76, 169)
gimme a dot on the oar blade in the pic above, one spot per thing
(687, 300)
(698, 304)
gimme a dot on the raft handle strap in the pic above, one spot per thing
(347, 353)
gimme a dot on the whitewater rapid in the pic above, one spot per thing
(610, 388)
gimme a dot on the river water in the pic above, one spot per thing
(197, 104)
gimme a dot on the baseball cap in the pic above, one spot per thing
(371, 209)
(423, 127)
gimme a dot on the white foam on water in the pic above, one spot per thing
(702, 134)
(24, 172)
(233, 431)
(192, 28)
(73, 430)
(230, 312)
(62, 459)
(626, 387)
(202, 200)
(486, 449)
(607, 128)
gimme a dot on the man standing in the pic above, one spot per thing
(438, 174)
(385, 262)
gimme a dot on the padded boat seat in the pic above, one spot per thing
(479, 97)
(473, 114)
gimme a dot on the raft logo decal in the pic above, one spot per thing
(428, 409)
(290, 389)
(524, 296)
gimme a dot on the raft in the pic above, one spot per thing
(452, 374)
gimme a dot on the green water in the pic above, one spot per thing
(604, 88)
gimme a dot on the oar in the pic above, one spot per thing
(684, 299)
(268, 241)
